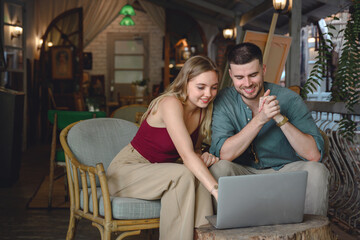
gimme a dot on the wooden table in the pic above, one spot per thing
(128, 100)
(313, 227)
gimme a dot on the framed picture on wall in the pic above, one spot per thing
(182, 54)
(62, 63)
(97, 87)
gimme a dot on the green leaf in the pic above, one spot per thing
(331, 27)
(313, 86)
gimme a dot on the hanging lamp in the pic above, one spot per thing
(128, 11)
(282, 6)
(127, 21)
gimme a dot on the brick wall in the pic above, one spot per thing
(143, 24)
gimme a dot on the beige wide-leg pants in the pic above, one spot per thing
(317, 190)
(184, 200)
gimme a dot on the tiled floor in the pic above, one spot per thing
(17, 222)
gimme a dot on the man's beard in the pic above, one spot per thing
(261, 86)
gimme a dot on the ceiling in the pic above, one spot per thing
(256, 14)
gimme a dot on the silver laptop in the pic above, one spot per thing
(260, 199)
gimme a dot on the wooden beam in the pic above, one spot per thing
(293, 60)
(193, 13)
(335, 2)
(239, 31)
(256, 12)
(213, 7)
(333, 107)
(257, 24)
(270, 37)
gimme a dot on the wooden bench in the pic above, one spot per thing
(313, 227)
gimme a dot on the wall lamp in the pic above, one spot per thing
(229, 33)
(16, 32)
(39, 43)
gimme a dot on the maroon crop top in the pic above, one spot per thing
(155, 144)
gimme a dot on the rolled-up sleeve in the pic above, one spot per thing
(301, 118)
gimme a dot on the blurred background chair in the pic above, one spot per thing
(132, 113)
(295, 88)
(79, 101)
(52, 101)
(89, 147)
(59, 120)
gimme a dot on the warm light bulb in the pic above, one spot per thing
(39, 43)
(279, 4)
(311, 40)
(18, 30)
(228, 33)
(50, 44)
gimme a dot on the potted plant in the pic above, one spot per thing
(346, 82)
(141, 87)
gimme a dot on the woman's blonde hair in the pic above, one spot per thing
(193, 67)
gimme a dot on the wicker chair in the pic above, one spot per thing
(59, 120)
(89, 147)
(132, 113)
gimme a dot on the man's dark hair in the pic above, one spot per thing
(244, 53)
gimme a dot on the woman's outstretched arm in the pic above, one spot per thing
(172, 114)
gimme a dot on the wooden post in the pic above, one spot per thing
(270, 37)
(167, 60)
(293, 62)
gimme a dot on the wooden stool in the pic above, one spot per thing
(313, 227)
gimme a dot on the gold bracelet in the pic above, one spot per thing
(282, 122)
(215, 187)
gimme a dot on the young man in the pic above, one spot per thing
(260, 127)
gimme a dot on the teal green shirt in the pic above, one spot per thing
(272, 148)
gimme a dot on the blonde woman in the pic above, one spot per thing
(173, 127)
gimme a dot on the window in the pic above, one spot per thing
(128, 62)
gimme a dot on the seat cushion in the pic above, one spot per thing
(125, 208)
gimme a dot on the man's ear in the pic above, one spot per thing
(230, 73)
(264, 69)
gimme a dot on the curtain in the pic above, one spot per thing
(156, 13)
(210, 33)
(97, 14)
